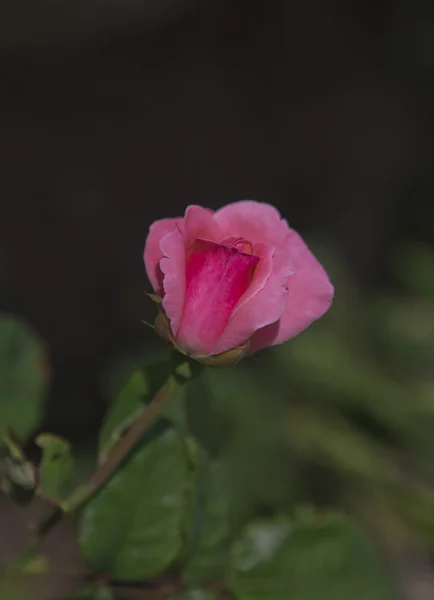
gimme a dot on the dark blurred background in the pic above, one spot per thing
(114, 113)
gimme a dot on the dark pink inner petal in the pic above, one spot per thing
(217, 275)
(239, 243)
(265, 300)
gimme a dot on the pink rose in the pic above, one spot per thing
(238, 278)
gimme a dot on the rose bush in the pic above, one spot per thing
(236, 279)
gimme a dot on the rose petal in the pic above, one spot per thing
(263, 303)
(216, 278)
(173, 267)
(153, 254)
(199, 223)
(253, 221)
(310, 295)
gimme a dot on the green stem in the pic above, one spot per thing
(120, 450)
(108, 466)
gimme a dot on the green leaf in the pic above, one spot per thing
(17, 474)
(195, 594)
(132, 529)
(210, 532)
(204, 420)
(92, 593)
(137, 392)
(23, 377)
(220, 403)
(123, 411)
(307, 559)
(57, 468)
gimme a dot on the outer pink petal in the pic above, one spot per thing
(165, 251)
(310, 295)
(173, 267)
(254, 221)
(216, 278)
(200, 223)
(153, 254)
(263, 303)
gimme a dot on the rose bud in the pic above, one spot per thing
(232, 281)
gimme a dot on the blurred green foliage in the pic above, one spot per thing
(291, 476)
(23, 377)
(306, 558)
(57, 468)
(92, 593)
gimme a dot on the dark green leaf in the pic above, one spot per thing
(220, 403)
(204, 420)
(252, 437)
(307, 559)
(138, 391)
(23, 377)
(210, 532)
(57, 469)
(123, 411)
(241, 400)
(132, 529)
